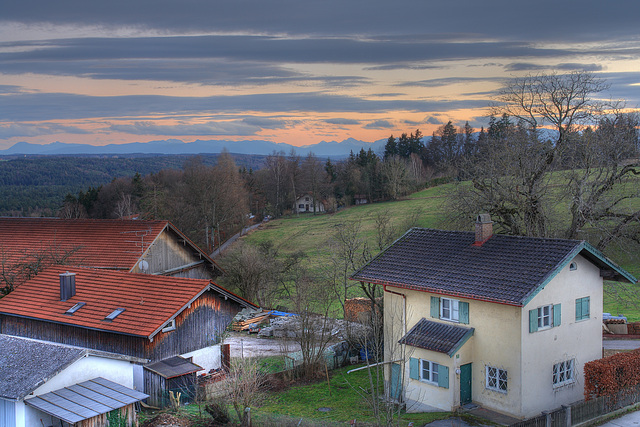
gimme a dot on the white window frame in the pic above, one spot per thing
(496, 379)
(564, 373)
(171, 326)
(431, 369)
(545, 316)
(450, 309)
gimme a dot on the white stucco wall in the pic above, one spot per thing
(84, 369)
(579, 340)
(208, 357)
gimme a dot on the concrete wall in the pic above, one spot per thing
(208, 357)
(580, 340)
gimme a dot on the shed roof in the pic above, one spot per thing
(101, 243)
(172, 367)
(85, 400)
(436, 336)
(506, 269)
(149, 301)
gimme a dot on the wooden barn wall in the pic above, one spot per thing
(198, 326)
(154, 386)
(167, 253)
(128, 411)
(48, 331)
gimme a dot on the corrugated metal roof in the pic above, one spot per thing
(149, 301)
(85, 400)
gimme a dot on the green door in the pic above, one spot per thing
(396, 381)
(465, 384)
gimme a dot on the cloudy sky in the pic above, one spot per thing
(294, 71)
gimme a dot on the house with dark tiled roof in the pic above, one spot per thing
(153, 317)
(27, 245)
(42, 383)
(503, 322)
(306, 203)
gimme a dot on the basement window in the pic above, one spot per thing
(75, 308)
(115, 313)
(171, 326)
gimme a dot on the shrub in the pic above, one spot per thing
(609, 375)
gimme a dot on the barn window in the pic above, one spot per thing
(170, 326)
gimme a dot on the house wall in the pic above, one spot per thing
(167, 252)
(9, 416)
(497, 334)
(579, 340)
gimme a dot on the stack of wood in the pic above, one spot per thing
(251, 323)
(614, 322)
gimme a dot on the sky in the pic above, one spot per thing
(292, 71)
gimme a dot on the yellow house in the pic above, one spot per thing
(503, 322)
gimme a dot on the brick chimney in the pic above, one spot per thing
(484, 229)
(67, 285)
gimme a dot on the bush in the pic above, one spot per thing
(609, 375)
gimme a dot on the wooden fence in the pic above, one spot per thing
(585, 410)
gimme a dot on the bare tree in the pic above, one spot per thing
(243, 387)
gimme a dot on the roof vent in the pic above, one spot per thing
(484, 229)
(67, 285)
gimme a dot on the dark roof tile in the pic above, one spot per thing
(436, 336)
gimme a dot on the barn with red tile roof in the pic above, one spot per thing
(27, 245)
(142, 315)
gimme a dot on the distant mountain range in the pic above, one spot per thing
(175, 146)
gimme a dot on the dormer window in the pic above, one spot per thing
(115, 313)
(171, 326)
(75, 308)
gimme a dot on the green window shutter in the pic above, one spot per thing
(443, 376)
(586, 313)
(435, 307)
(414, 368)
(463, 312)
(533, 320)
(579, 309)
(557, 315)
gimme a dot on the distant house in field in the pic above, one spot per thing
(360, 199)
(504, 322)
(43, 383)
(306, 203)
(176, 323)
(27, 245)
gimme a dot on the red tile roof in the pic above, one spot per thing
(149, 301)
(114, 244)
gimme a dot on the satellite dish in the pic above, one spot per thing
(144, 266)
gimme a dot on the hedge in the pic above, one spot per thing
(609, 375)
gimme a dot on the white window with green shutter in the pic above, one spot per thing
(583, 311)
(545, 317)
(429, 372)
(450, 309)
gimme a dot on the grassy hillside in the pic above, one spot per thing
(313, 236)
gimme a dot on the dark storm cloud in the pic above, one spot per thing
(540, 20)
(51, 106)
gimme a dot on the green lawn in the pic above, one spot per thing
(313, 235)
